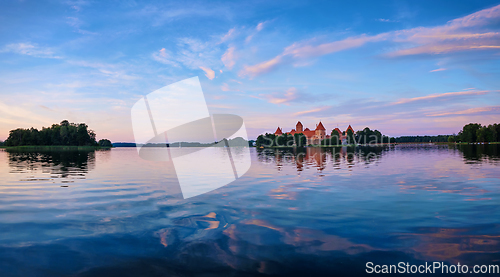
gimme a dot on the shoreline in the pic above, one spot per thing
(54, 147)
(380, 144)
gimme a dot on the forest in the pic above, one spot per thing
(63, 134)
(474, 132)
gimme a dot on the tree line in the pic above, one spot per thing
(63, 134)
(475, 132)
(365, 136)
(470, 133)
(420, 139)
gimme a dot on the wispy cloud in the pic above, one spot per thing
(77, 23)
(192, 53)
(307, 50)
(293, 95)
(225, 87)
(15, 114)
(462, 34)
(260, 26)
(283, 98)
(229, 57)
(228, 35)
(387, 20)
(30, 49)
(472, 111)
(77, 4)
(440, 96)
(162, 13)
(112, 71)
(311, 111)
(261, 68)
(439, 69)
(164, 56)
(208, 72)
(466, 33)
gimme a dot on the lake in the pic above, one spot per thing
(309, 212)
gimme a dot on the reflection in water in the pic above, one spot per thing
(297, 212)
(51, 165)
(320, 158)
(480, 152)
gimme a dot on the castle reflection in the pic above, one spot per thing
(320, 158)
(347, 157)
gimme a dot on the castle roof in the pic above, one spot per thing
(349, 128)
(320, 126)
(309, 133)
(338, 131)
(299, 124)
(278, 131)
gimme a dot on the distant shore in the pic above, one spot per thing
(54, 147)
(379, 144)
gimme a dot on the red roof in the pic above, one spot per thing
(320, 126)
(307, 129)
(299, 124)
(309, 133)
(278, 131)
(349, 128)
(338, 131)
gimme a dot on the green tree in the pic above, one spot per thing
(64, 133)
(350, 137)
(486, 134)
(469, 132)
(260, 141)
(300, 139)
(335, 138)
(105, 143)
(491, 134)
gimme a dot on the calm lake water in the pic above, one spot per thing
(316, 212)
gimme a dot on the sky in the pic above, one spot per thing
(401, 67)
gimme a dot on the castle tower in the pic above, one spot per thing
(299, 127)
(278, 132)
(320, 131)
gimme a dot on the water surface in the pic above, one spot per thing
(309, 212)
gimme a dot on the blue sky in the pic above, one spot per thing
(402, 67)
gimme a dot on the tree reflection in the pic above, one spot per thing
(479, 153)
(50, 164)
(320, 157)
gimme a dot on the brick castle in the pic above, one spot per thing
(314, 137)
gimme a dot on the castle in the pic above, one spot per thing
(316, 136)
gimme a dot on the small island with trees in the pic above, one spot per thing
(470, 133)
(64, 135)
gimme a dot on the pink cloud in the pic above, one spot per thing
(260, 26)
(439, 69)
(260, 68)
(228, 35)
(480, 110)
(289, 95)
(208, 72)
(439, 95)
(229, 57)
(462, 34)
(298, 50)
(310, 111)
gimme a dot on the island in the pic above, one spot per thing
(64, 134)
